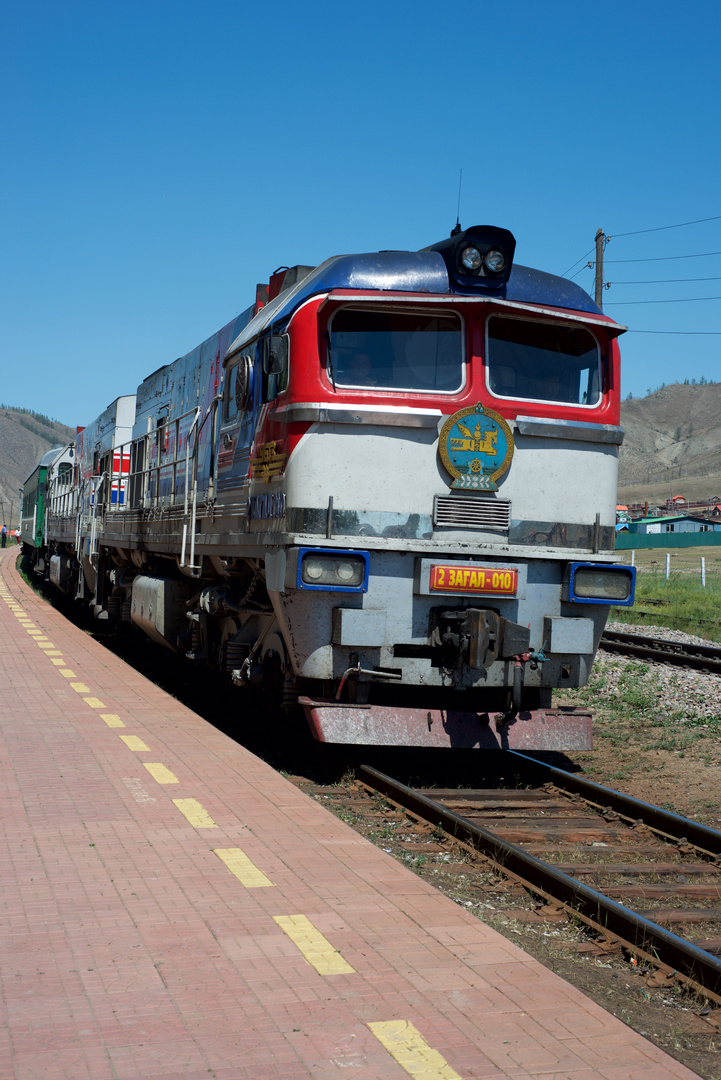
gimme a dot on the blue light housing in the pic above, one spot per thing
(329, 570)
(599, 583)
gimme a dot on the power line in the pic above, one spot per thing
(684, 300)
(663, 281)
(589, 252)
(665, 258)
(681, 333)
(662, 228)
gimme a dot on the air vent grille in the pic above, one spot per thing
(471, 512)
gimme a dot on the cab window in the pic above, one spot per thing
(396, 350)
(542, 361)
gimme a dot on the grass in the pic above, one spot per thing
(679, 602)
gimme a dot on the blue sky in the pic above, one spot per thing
(161, 157)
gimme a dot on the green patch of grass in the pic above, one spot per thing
(680, 602)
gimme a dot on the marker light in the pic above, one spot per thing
(598, 583)
(470, 258)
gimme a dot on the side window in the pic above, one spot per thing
(230, 406)
(238, 387)
(273, 356)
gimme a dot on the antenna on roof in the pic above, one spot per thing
(457, 227)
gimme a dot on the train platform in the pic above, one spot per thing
(172, 908)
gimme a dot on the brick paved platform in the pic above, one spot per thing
(172, 908)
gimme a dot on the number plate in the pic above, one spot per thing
(455, 578)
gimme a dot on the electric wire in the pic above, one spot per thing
(664, 281)
(663, 258)
(678, 333)
(683, 300)
(662, 228)
(589, 252)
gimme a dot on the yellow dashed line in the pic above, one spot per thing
(58, 661)
(134, 743)
(317, 950)
(112, 720)
(80, 687)
(245, 870)
(161, 772)
(67, 673)
(195, 813)
(406, 1044)
(93, 702)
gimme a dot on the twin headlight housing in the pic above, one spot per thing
(479, 256)
(337, 571)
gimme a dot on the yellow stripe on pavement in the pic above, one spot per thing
(134, 743)
(112, 720)
(67, 673)
(317, 950)
(245, 870)
(80, 687)
(198, 817)
(406, 1044)
(93, 702)
(161, 772)
(58, 661)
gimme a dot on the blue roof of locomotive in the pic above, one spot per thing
(414, 272)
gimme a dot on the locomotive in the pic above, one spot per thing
(385, 492)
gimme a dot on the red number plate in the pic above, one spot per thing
(454, 577)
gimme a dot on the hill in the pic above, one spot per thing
(24, 437)
(672, 444)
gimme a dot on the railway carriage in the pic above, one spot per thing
(386, 490)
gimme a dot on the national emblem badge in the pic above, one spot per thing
(476, 447)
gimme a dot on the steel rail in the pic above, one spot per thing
(639, 934)
(704, 657)
(662, 821)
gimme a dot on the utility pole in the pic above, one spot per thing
(600, 238)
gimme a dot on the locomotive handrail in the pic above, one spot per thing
(185, 493)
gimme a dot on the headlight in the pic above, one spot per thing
(471, 258)
(333, 570)
(494, 261)
(594, 584)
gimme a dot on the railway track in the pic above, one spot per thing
(705, 658)
(642, 880)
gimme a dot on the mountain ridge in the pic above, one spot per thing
(672, 446)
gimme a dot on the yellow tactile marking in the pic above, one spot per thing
(50, 649)
(134, 743)
(67, 673)
(80, 687)
(195, 813)
(161, 772)
(245, 870)
(406, 1044)
(112, 720)
(58, 661)
(93, 702)
(317, 950)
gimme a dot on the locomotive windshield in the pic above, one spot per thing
(396, 350)
(542, 361)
